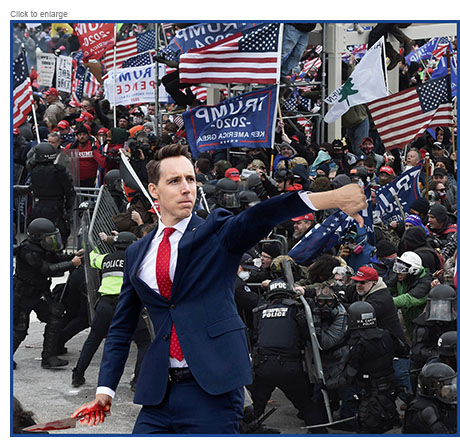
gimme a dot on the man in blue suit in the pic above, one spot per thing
(192, 376)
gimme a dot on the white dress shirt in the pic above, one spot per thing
(147, 269)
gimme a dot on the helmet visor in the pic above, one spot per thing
(440, 310)
(448, 390)
(52, 242)
(228, 199)
(401, 266)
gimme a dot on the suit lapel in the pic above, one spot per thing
(142, 248)
(184, 251)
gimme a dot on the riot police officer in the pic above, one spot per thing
(280, 331)
(434, 409)
(52, 188)
(112, 267)
(37, 260)
(439, 316)
(369, 366)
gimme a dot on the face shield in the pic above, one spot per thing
(228, 200)
(448, 390)
(52, 241)
(441, 310)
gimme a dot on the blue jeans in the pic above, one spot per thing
(402, 375)
(356, 135)
(294, 44)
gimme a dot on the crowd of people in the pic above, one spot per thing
(364, 333)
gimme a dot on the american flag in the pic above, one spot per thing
(251, 56)
(308, 65)
(22, 91)
(140, 60)
(129, 48)
(84, 84)
(441, 47)
(404, 116)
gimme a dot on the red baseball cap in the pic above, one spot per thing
(387, 169)
(51, 91)
(308, 216)
(84, 116)
(102, 130)
(366, 274)
(63, 124)
(233, 174)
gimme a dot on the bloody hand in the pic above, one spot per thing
(94, 412)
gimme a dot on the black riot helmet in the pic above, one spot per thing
(42, 231)
(226, 194)
(248, 198)
(86, 205)
(44, 153)
(438, 380)
(124, 239)
(361, 315)
(447, 344)
(278, 288)
(113, 180)
(442, 304)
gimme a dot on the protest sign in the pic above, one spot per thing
(134, 85)
(46, 64)
(64, 74)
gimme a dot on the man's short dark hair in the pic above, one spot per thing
(171, 150)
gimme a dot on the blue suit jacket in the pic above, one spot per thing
(202, 307)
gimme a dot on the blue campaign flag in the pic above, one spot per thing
(326, 235)
(246, 120)
(323, 237)
(441, 70)
(200, 35)
(426, 51)
(405, 188)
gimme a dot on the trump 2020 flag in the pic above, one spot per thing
(365, 84)
(200, 35)
(249, 57)
(246, 120)
(406, 188)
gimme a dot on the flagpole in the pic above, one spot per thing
(427, 171)
(34, 115)
(157, 87)
(454, 151)
(115, 75)
(385, 64)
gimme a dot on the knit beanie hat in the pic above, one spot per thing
(385, 248)
(421, 205)
(272, 250)
(439, 212)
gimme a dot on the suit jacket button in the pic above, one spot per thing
(166, 337)
(172, 307)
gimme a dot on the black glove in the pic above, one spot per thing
(301, 319)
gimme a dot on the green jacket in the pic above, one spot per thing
(410, 296)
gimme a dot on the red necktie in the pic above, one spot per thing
(165, 285)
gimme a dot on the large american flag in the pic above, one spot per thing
(251, 56)
(404, 116)
(84, 83)
(129, 48)
(22, 91)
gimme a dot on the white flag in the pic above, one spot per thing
(365, 84)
